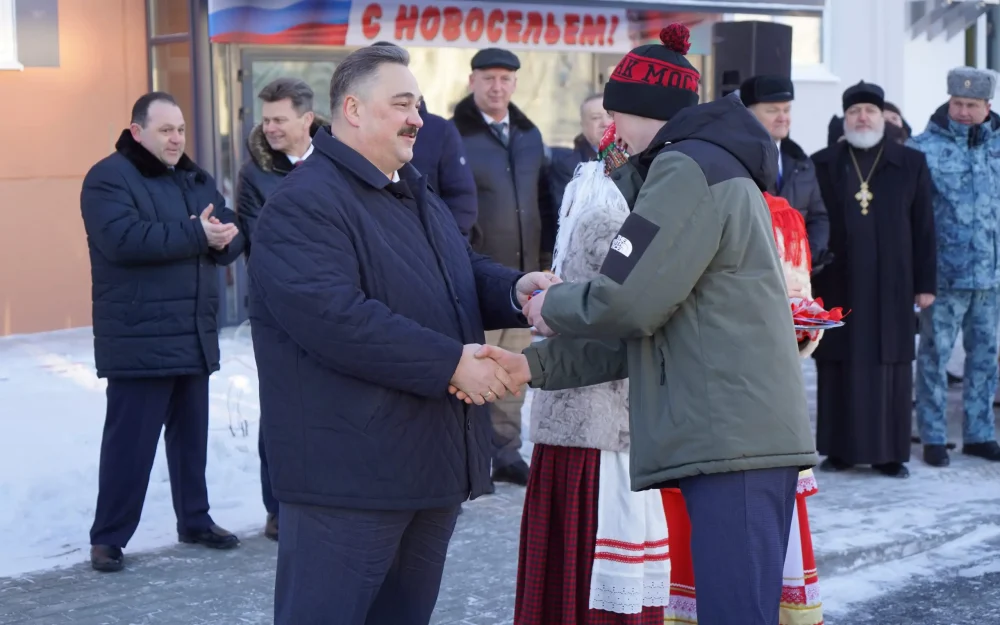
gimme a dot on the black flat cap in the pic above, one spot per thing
(758, 89)
(864, 93)
(490, 58)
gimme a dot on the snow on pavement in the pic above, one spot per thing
(51, 418)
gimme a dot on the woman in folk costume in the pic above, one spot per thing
(592, 552)
(800, 597)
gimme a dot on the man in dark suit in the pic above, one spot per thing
(157, 229)
(594, 121)
(440, 155)
(366, 304)
(770, 98)
(281, 141)
(516, 223)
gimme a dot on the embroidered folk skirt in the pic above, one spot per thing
(558, 535)
(800, 596)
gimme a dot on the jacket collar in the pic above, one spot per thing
(470, 121)
(270, 160)
(793, 150)
(348, 158)
(147, 164)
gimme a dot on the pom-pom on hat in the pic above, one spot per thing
(655, 80)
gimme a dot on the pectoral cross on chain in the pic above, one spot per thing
(864, 197)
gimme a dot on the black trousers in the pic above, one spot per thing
(267, 495)
(360, 567)
(739, 535)
(138, 410)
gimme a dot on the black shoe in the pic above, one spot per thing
(936, 455)
(106, 559)
(214, 537)
(989, 450)
(516, 473)
(892, 469)
(954, 380)
(834, 465)
(271, 526)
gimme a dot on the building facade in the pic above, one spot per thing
(69, 98)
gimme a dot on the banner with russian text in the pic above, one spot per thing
(481, 24)
(455, 23)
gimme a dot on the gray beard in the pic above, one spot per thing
(864, 139)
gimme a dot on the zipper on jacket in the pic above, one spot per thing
(663, 368)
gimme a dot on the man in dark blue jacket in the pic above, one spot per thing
(516, 221)
(157, 229)
(367, 303)
(281, 141)
(440, 155)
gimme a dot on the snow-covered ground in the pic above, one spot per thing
(51, 417)
(871, 534)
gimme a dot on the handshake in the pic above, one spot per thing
(486, 373)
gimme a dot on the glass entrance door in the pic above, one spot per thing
(257, 67)
(261, 66)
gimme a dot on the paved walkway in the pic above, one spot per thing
(860, 521)
(188, 585)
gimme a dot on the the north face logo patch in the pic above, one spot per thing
(622, 245)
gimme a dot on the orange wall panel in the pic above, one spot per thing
(60, 122)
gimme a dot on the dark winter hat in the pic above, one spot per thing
(490, 58)
(655, 81)
(969, 82)
(864, 93)
(760, 89)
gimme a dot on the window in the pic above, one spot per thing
(8, 36)
(169, 17)
(171, 66)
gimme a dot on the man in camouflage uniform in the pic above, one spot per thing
(962, 146)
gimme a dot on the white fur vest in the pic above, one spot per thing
(594, 417)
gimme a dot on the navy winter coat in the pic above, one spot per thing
(363, 294)
(517, 217)
(440, 155)
(155, 279)
(259, 177)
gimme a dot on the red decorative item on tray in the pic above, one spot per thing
(810, 316)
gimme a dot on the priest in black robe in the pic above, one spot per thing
(878, 196)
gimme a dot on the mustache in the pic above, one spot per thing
(409, 130)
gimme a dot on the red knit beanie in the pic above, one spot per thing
(655, 81)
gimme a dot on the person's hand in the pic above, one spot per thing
(924, 300)
(482, 380)
(534, 281)
(794, 286)
(515, 366)
(533, 311)
(219, 235)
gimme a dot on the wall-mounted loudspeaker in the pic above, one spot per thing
(744, 49)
